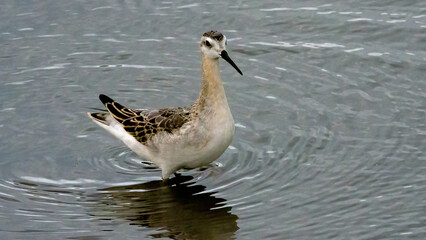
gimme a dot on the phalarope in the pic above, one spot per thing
(182, 137)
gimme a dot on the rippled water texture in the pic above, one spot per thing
(330, 120)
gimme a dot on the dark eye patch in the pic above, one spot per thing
(208, 44)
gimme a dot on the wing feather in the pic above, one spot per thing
(144, 124)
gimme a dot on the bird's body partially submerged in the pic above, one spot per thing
(176, 138)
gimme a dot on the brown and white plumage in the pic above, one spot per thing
(182, 137)
(143, 124)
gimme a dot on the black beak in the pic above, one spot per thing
(225, 56)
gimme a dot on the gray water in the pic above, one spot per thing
(330, 120)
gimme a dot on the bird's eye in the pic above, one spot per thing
(208, 44)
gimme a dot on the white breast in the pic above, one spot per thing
(196, 144)
(218, 138)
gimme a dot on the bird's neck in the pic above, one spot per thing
(212, 93)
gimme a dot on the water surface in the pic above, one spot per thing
(330, 120)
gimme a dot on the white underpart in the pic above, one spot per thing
(194, 145)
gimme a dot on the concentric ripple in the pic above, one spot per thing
(330, 120)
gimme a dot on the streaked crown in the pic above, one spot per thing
(212, 44)
(214, 34)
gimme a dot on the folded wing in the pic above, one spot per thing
(143, 124)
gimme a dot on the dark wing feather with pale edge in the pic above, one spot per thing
(144, 124)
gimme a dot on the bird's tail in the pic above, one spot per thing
(99, 117)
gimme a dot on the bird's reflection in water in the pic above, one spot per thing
(177, 209)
